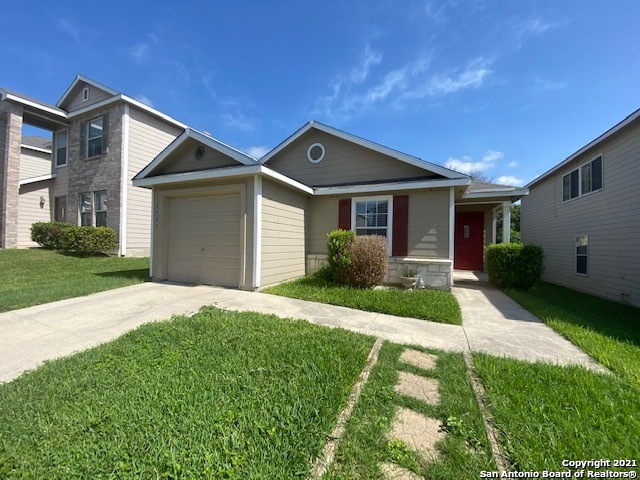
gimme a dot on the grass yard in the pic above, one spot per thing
(35, 276)
(218, 395)
(465, 451)
(546, 413)
(608, 331)
(434, 305)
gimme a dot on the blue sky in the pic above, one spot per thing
(507, 87)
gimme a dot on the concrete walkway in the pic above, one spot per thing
(32, 335)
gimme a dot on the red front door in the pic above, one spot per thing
(469, 241)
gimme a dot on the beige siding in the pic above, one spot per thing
(283, 233)
(161, 225)
(428, 222)
(34, 163)
(74, 101)
(148, 136)
(60, 187)
(186, 161)
(343, 163)
(29, 210)
(610, 217)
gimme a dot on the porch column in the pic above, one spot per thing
(10, 139)
(494, 225)
(506, 222)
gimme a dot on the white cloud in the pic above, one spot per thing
(238, 121)
(510, 180)
(139, 51)
(548, 85)
(145, 100)
(258, 151)
(465, 164)
(68, 27)
(181, 71)
(536, 26)
(512, 164)
(473, 76)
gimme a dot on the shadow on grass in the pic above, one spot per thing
(81, 254)
(139, 274)
(606, 317)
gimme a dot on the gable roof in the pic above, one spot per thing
(410, 159)
(613, 130)
(234, 153)
(81, 78)
(32, 102)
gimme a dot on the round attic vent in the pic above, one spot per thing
(315, 153)
(199, 152)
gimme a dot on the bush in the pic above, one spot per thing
(339, 257)
(49, 234)
(89, 240)
(513, 265)
(369, 257)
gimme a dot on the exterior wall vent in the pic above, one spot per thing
(315, 153)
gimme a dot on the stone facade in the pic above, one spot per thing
(436, 273)
(96, 173)
(10, 139)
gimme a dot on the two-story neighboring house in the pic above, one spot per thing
(584, 212)
(100, 139)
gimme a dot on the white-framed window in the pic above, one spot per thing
(61, 141)
(93, 208)
(582, 254)
(372, 216)
(101, 208)
(95, 133)
(585, 179)
(85, 94)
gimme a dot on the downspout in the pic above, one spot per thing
(452, 222)
(124, 173)
(257, 230)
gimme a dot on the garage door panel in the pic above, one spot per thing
(204, 240)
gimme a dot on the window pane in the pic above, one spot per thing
(574, 184)
(61, 156)
(361, 207)
(372, 207)
(85, 219)
(85, 203)
(383, 207)
(371, 220)
(382, 219)
(101, 201)
(61, 142)
(586, 178)
(581, 264)
(361, 220)
(95, 128)
(101, 219)
(566, 187)
(94, 147)
(94, 137)
(596, 174)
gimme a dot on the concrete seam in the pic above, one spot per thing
(500, 458)
(324, 461)
(366, 329)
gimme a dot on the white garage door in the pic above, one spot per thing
(204, 240)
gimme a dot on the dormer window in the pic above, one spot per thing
(85, 94)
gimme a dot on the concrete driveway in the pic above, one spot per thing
(32, 335)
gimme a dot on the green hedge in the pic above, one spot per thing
(339, 257)
(513, 265)
(49, 234)
(67, 237)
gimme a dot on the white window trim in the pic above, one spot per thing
(87, 137)
(85, 94)
(389, 200)
(579, 169)
(94, 209)
(55, 160)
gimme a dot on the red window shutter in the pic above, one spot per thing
(400, 228)
(344, 214)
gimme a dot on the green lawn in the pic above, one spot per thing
(434, 305)
(218, 395)
(35, 276)
(608, 331)
(546, 413)
(465, 451)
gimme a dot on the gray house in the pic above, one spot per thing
(100, 139)
(584, 212)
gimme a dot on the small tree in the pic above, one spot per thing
(339, 255)
(369, 257)
(515, 224)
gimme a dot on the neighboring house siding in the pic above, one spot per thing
(428, 235)
(344, 163)
(283, 239)
(148, 136)
(74, 102)
(29, 210)
(610, 217)
(34, 163)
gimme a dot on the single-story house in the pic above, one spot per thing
(221, 217)
(584, 213)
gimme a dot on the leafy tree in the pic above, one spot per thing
(515, 224)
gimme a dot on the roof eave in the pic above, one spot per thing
(387, 187)
(81, 78)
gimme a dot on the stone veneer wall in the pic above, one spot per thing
(10, 139)
(436, 273)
